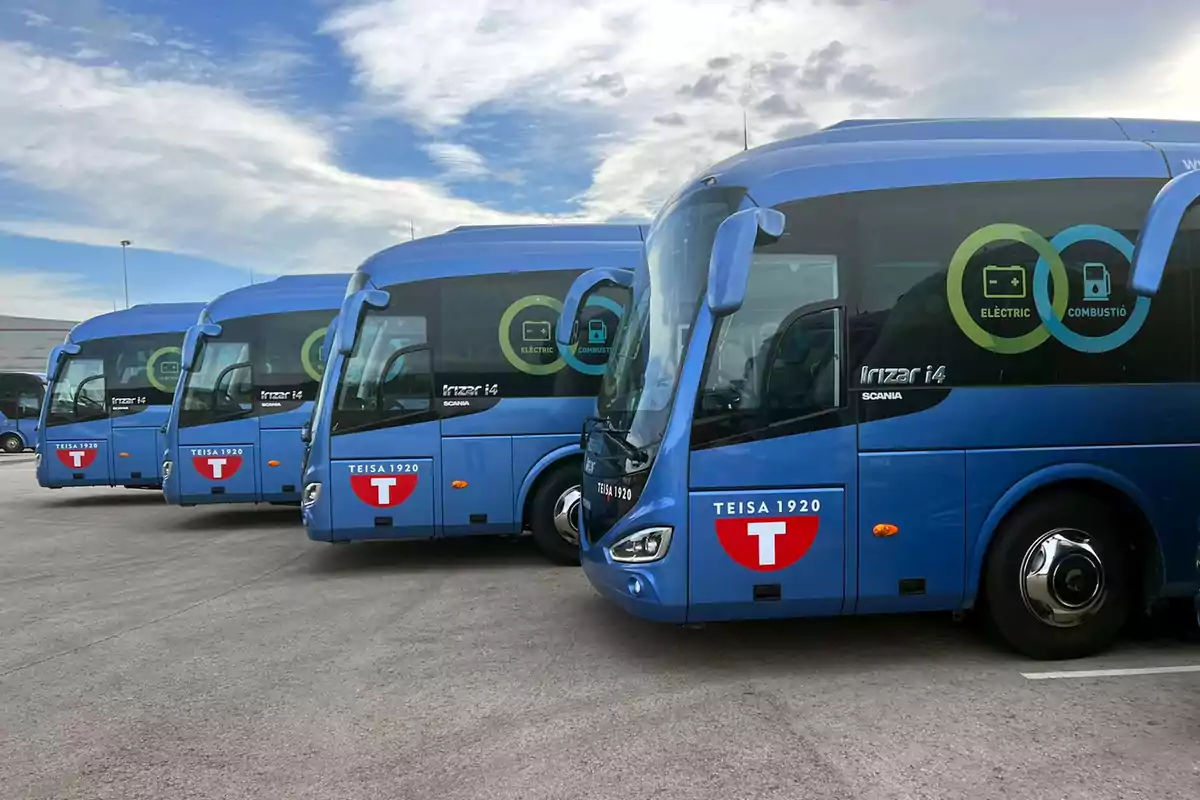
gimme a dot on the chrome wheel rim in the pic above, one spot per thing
(566, 515)
(1062, 578)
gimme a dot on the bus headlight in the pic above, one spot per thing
(640, 547)
(166, 470)
(310, 495)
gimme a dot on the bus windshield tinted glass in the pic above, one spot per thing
(373, 376)
(118, 376)
(260, 365)
(78, 391)
(635, 394)
(217, 388)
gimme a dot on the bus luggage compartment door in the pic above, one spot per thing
(390, 498)
(137, 457)
(766, 553)
(218, 473)
(280, 460)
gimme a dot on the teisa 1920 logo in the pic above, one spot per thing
(383, 491)
(766, 544)
(77, 456)
(217, 468)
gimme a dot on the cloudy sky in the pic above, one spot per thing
(231, 138)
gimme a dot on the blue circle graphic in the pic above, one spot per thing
(1041, 293)
(596, 301)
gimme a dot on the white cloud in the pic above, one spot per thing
(457, 160)
(54, 295)
(199, 170)
(33, 19)
(657, 89)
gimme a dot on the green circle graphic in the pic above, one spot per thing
(506, 346)
(313, 370)
(152, 362)
(999, 232)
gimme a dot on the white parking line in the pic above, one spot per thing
(1108, 673)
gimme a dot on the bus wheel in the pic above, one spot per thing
(11, 443)
(1057, 585)
(554, 515)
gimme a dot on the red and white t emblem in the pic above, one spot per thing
(77, 459)
(217, 468)
(766, 544)
(383, 491)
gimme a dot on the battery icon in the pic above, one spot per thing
(1004, 283)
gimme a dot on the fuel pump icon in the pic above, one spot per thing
(597, 332)
(1097, 283)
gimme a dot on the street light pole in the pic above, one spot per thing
(125, 269)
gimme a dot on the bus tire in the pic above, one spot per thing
(11, 443)
(1056, 581)
(554, 506)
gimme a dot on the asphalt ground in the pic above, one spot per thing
(148, 651)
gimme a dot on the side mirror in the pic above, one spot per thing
(732, 252)
(1158, 232)
(327, 345)
(351, 312)
(584, 285)
(306, 432)
(56, 357)
(191, 343)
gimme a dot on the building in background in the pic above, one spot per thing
(25, 342)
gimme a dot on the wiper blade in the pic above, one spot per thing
(375, 423)
(617, 436)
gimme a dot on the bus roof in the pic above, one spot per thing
(573, 232)
(403, 263)
(1014, 148)
(285, 293)
(140, 319)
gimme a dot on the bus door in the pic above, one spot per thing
(77, 437)
(773, 447)
(217, 427)
(386, 436)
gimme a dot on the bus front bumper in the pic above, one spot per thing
(655, 591)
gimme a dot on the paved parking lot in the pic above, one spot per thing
(154, 652)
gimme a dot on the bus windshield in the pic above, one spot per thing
(115, 376)
(218, 385)
(373, 370)
(77, 393)
(635, 394)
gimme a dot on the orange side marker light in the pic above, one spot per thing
(458, 484)
(883, 530)
(272, 463)
(123, 455)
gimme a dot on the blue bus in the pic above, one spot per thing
(111, 384)
(897, 366)
(21, 395)
(447, 409)
(251, 367)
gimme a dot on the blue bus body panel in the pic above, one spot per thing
(485, 503)
(943, 476)
(461, 475)
(129, 447)
(265, 451)
(215, 463)
(386, 495)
